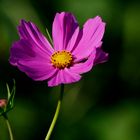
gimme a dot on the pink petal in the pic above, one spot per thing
(37, 70)
(24, 50)
(31, 60)
(64, 26)
(64, 76)
(74, 40)
(86, 66)
(92, 34)
(29, 31)
(101, 56)
(97, 56)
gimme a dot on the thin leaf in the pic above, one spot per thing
(8, 91)
(49, 37)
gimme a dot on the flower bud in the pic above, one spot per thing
(3, 103)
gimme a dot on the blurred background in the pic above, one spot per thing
(105, 104)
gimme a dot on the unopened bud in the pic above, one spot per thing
(3, 103)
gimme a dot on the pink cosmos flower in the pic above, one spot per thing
(74, 52)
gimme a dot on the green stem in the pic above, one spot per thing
(9, 127)
(56, 113)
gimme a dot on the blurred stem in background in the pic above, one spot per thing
(56, 113)
(8, 126)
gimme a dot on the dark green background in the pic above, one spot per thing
(105, 104)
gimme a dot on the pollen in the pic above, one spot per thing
(61, 59)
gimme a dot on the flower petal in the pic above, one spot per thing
(86, 66)
(92, 31)
(101, 56)
(76, 37)
(24, 50)
(31, 60)
(97, 56)
(37, 70)
(29, 31)
(64, 26)
(64, 76)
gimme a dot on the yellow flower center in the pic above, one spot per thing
(61, 59)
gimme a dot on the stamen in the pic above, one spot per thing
(61, 59)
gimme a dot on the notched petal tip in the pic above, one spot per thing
(98, 18)
(22, 22)
(63, 13)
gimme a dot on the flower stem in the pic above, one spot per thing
(8, 126)
(56, 113)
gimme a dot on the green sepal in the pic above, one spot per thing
(11, 95)
(10, 100)
(1, 111)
